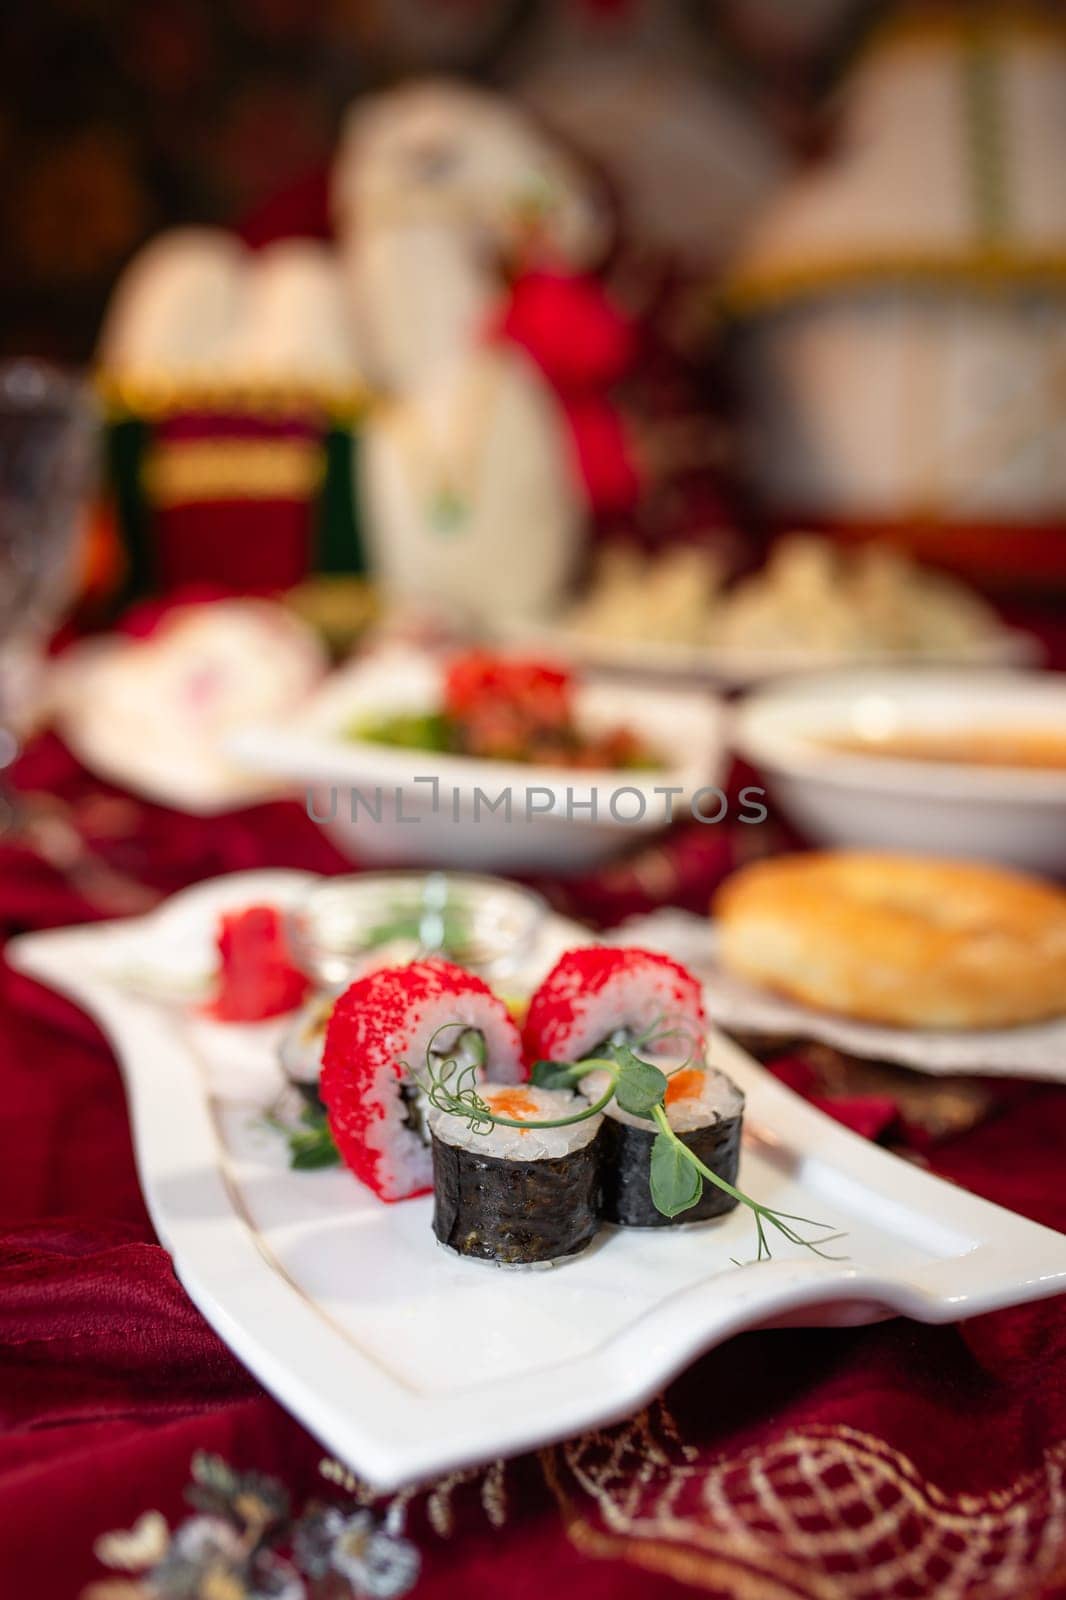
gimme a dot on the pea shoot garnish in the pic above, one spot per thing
(677, 1174)
(310, 1142)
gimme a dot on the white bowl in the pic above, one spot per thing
(487, 925)
(1014, 815)
(378, 803)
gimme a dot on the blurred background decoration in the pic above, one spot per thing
(437, 296)
(905, 363)
(133, 118)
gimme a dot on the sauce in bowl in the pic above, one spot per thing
(1038, 749)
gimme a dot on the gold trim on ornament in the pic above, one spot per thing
(923, 25)
(987, 272)
(191, 471)
(156, 396)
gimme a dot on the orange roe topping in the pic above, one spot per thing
(513, 1103)
(684, 1085)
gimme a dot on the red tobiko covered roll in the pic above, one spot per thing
(601, 994)
(374, 1067)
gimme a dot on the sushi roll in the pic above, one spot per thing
(602, 994)
(374, 1066)
(302, 1044)
(519, 1197)
(705, 1109)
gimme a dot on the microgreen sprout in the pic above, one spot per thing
(309, 1140)
(677, 1174)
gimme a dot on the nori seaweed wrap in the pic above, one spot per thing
(706, 1111)
(517, 1197)
(302, 1044)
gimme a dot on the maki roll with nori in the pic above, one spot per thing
(606, 994)
(302, 1045)
(517, 1196)
(388, 1033)
(705, 1109)
(614, 1002)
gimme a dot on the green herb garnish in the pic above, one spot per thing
(450, 927)
(407, 730)
(445, 733)
(677, 1174)
(309, 1140)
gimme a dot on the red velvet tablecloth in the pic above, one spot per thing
(893, 1460)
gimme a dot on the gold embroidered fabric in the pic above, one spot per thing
(824, 1512)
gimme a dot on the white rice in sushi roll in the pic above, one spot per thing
(525, 1103)
(716, 1098)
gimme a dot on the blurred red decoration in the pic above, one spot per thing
(583, 345)
(257, 978)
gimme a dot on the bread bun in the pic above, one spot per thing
(909, 940)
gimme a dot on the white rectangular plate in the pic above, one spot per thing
(405, 1361)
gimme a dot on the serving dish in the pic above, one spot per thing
(486, 925)
(405, 1362)
(813, 604)
(383, 803)
(732, 668)
(1016, 815)
(1029, 1051)
(150, 714)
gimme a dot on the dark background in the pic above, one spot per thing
(119, 117)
